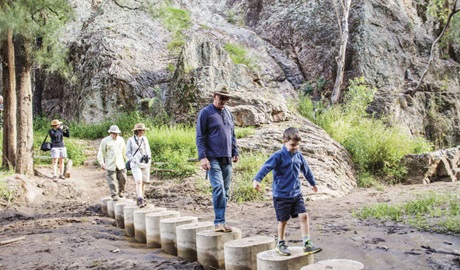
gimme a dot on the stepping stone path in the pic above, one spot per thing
(192, 240)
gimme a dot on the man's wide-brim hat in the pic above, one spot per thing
(55, 122)
(114, 129)
(222, 89)
(139, 126)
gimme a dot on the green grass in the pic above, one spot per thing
(376, 145)
(6, 194)
(239, 55)
(433, 211)
(176, 21)
(243, 173)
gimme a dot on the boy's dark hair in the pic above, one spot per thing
(292, 133)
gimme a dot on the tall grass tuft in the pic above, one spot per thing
(376, 146)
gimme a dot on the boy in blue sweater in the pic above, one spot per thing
(286, 165)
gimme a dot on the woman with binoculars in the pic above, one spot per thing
(139, 155)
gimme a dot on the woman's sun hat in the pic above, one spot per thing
(114, 129)
(140, 126)
(55, 122)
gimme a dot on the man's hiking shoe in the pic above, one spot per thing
(219, 228)
(61, 176)
(55, 178)
(282, 248)
(227, 228)
(222, 228)
(309, 248)
(115, 198)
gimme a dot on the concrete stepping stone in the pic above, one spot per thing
(110, 208)
(119, 212)
(242, 253)
(335, 264)
(186, 239)
(210, 247)
(271, 259)
(139, 221)
(104, 204)
(168, 232)
(152, 226)
(128, 214)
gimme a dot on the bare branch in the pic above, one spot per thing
(453, 11)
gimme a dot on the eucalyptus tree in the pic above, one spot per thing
(342, 11)
(30, 20)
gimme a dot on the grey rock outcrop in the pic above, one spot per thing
(120, 57)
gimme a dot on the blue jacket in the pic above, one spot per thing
(214, 136)
(286, 169)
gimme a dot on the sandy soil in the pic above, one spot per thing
(64, 228)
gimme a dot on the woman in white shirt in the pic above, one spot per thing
(140, 156)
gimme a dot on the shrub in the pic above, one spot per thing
(376, 146)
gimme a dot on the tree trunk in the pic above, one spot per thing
(9, 96)
(343, 26)
(24, 159)
(38, 86)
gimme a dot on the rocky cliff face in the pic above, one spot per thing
(121, 55)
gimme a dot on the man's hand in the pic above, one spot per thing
(235, 159)
(256, 185)
(315, 189)
(103, 166)
(205, 165)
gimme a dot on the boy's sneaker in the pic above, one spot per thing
(61, 176)
(141, 203)
(309, 248)
(282, 248)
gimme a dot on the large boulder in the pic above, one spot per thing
(329, 161)
(441, 165)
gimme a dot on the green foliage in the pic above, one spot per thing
(439, 212)
(43, 21)
(244, 171)
(176, 21)
(440, 10)
(239, 55)
(172, 148)
(375, 146)
(233, 18)
(244, 132)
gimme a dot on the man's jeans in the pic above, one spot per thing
(220, 176)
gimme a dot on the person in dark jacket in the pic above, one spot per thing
(217, 149)
(286, 164)
(58, 149)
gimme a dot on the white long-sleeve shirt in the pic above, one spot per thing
(112, 153)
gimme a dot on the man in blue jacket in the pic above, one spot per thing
(217, 149)
(287, 164)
